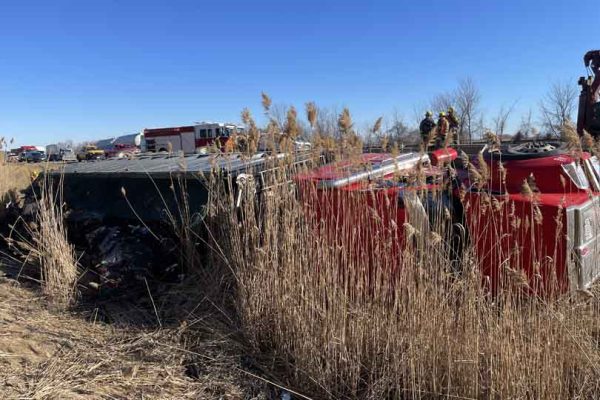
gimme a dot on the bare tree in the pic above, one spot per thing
(418, 113)
(278, 112)
(468, 100)
(557, 107)
(526, 128)
(441, 102)
(501, 119)
(327, 121)
(398, 131)
(371, 132)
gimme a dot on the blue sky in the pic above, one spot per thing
(92, 69)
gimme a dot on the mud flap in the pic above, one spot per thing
(417, 217)
(424, 214)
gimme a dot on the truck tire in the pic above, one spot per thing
(528, 150)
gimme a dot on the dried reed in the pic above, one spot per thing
(344, 303)
(45, 240)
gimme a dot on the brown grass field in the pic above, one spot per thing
(45, 354)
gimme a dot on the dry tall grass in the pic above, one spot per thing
(13, 178)
(343, 309)
(44, 241)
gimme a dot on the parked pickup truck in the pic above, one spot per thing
(90, 152)
(122, 151)
(33, 156)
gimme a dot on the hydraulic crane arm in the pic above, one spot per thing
(592, 61)
(590, 95)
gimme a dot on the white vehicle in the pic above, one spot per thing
(53, 152)
(67, 155)
(266, 142)
(188, 139)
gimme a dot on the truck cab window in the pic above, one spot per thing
(576, 174)
(203, 133)
(596, 111)
(209, 133)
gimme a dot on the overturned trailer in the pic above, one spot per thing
(144, 187)
(361, 205)
(125, 215)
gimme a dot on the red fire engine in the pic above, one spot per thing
(187, 138)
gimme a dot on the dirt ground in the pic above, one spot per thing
(46, 354)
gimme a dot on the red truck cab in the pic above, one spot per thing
(532, 215)
(535, 219)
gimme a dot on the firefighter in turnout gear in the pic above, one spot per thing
(426, 127)
(453, 120)
(443, 126)
(453, 123)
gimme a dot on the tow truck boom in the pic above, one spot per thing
(588, 116)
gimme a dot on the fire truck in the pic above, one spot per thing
(188, 139)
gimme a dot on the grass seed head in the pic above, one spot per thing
(311, 114)
(377, 125)
(266, 102)
(345, 122)
(291, 127)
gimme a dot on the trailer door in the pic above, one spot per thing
(188, 142)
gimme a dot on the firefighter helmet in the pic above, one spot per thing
(428, 114)
(450, 110)
(442, 114)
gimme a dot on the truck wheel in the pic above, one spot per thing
(529, 150)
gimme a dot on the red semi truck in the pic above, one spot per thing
(548, 234)
(538, 212)
(531, 211)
